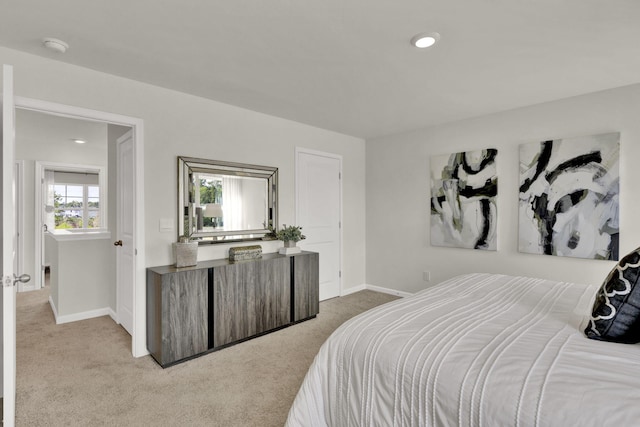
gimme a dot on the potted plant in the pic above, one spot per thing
(186, 250)
(290, 235)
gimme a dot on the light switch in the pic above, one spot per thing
(166, 224)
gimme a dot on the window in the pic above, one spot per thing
(93, 206)
(76, 205)
(73, 197)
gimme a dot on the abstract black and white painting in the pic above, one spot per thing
(463, 200)
(569, 194)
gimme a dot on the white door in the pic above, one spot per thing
(125, 245)
(18, 261)
(319, 212)
(8, 251)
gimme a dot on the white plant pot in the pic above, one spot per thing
(289, 248)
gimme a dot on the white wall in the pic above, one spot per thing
(51, 246)
(179, 124)
(398, 191)
(81, 280)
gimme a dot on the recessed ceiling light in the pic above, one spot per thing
(424, 40)
(55, 45)
(79, 141)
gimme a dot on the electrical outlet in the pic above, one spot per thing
(426, 276)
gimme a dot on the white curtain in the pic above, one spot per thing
(48, 217)
(232, 203)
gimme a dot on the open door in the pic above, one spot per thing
(8, 249)
(125, 255)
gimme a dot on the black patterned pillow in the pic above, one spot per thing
(616, 311)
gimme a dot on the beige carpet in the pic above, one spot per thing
(83, 374)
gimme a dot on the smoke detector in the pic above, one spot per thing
(55, 45)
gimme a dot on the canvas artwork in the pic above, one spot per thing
(463, 200)
(569, 195)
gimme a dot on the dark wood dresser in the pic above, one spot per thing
(195, 310)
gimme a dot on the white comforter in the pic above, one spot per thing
(477, 350)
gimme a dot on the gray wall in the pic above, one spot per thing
(180, 124)
(81, 280)
(398, 179)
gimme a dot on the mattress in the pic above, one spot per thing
(476, 350)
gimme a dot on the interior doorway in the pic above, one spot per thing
(119, 124)
(73, 160)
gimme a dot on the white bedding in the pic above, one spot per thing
(477, 350)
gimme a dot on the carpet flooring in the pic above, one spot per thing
(83, 373)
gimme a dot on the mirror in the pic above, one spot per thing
(220, 202)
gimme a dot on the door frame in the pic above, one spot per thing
(138, 337)
(301, 150)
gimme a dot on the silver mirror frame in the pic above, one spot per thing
(188, 165)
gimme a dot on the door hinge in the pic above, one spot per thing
(339, 175)
(340, 273)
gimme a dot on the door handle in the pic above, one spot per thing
(117, 243)
(8, 282)
(23, 278)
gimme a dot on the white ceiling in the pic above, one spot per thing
(46, 136)
(59, 132)
(347, 65)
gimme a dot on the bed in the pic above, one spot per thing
(476, 350)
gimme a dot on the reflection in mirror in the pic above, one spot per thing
(223, 201)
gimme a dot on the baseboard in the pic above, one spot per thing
(388, 291)
(80, 316)
(54, 309)
(376, 289)
(353, 290)
(113, 315)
